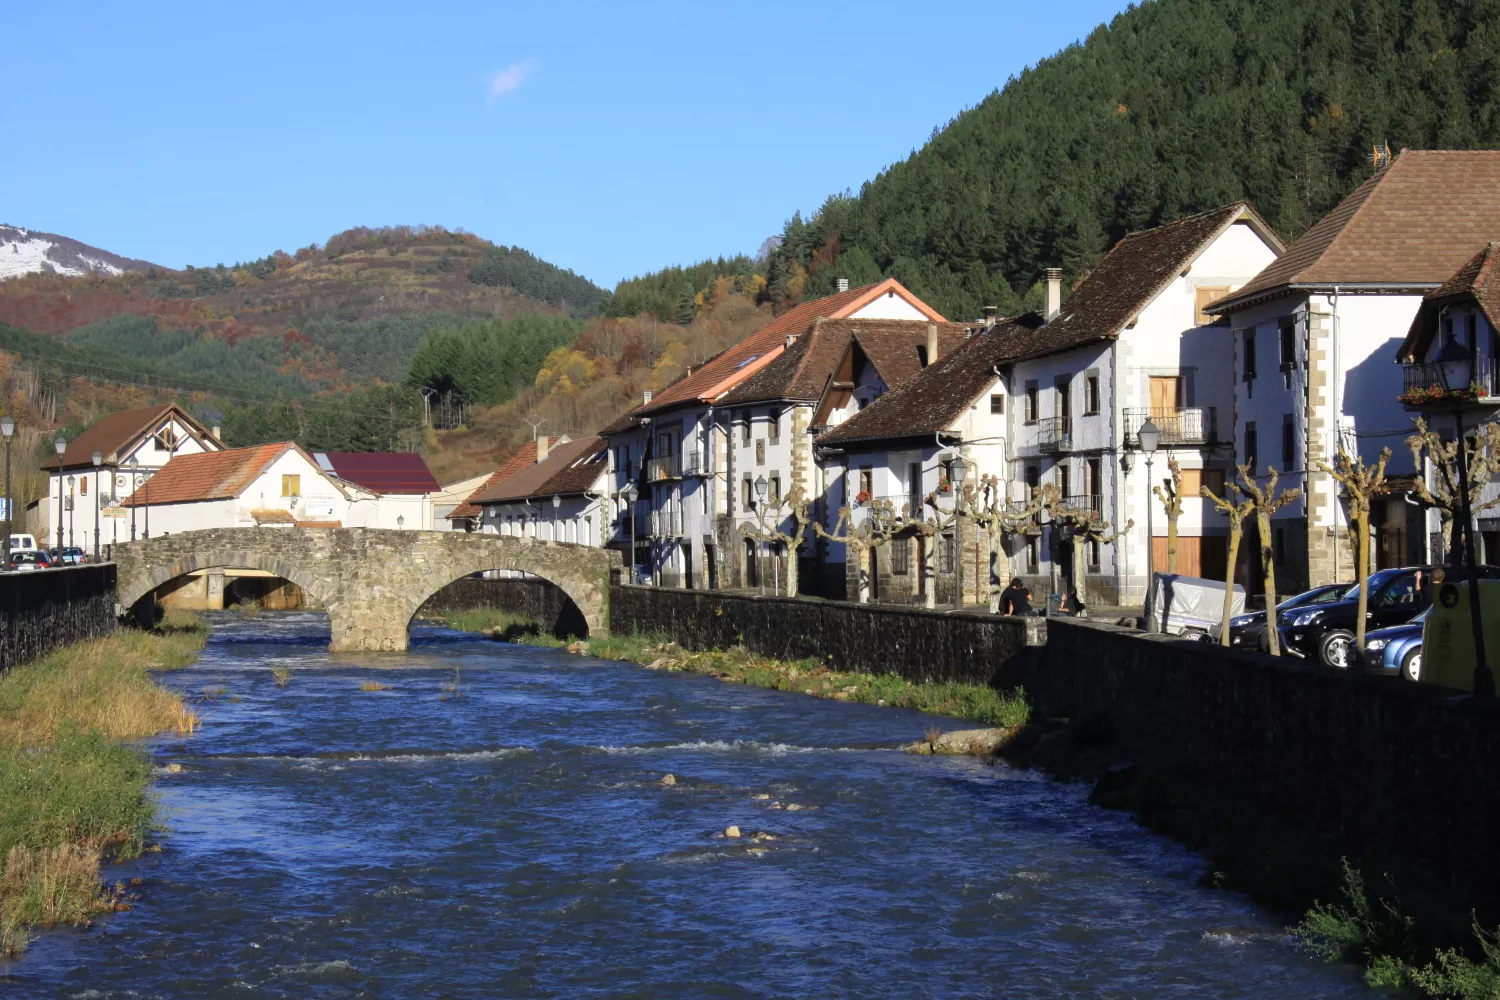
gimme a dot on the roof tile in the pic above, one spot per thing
(211, 475)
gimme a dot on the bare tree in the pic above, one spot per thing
(999, 517)
(1361, 482)
(1267, 502)
(768, 529)
(880, 525)
(1170, 495)
(1081, 525)
(1236, 512)
(1482, 455)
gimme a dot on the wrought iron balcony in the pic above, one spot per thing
(664, 467)
(1422, 385)
(1055, 434)
(1178, 425)
(698, 463)
(1085, 501)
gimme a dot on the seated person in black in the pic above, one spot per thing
(1069, 604)
(1014, 600)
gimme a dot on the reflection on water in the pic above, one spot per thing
(517, 841)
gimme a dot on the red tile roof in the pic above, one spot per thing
(382, 471)
(732, 366)
(212, 475)
(114, 433)
(1412, 225)
(521, 459)
(570, 467)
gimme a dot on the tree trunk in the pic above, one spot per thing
(1235, 531)
(864, 574)
(1172, 513)
(1080, 569)
(791, 569)
(999, 569)
(958, 562)
(1362, 574)
(929, 570)
(1268, 564)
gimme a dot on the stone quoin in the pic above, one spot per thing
(371, 581)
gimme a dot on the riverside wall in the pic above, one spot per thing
(43, 610)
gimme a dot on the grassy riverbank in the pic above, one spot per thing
(71, 795)
(975, 702)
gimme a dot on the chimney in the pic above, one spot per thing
(217, 435)
(1054, 292)
(541, 448)
(645, 397)
(843, 284)
(991, 314)
(932, 345)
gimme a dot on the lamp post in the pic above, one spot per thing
(630, 494)
(7, 428)
(98, 461)
(70, 505)
(1149, 437)
(760, 493)
(146, 500)
(400, 522)
(61, 444)
(135, 464)
(1455, 364)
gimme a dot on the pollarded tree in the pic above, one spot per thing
(1171, 499)
(1482, 458)
(1236, 511)
(772, 516)
(999, 517)
(1267, 502)
(1360, 482)
(1081, 525)
(880, 525)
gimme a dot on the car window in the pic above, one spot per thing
(1401, 590)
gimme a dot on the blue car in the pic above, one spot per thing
(1396, 650)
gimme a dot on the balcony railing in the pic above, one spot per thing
(664, 467)
(698, 463)
(1085, 501)
(1055, 434)
(1178, 425)
(1422, 385)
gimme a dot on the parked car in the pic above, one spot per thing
(1398, 649)
(1249, 631)
(1325, 632)
(68, 556)
(30, 560)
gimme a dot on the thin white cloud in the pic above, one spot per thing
(509, 79)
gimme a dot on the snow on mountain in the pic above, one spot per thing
(26, 251)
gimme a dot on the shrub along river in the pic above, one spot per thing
(513, 838)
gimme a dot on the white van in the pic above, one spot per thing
(23, 543)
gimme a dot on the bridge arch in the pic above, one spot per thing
(372, 581)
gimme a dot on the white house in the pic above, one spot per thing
(132, 446)
(1314, 337)
(743, 415)
(558, 497)
(449, 498)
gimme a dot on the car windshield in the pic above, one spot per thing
(1318, 595)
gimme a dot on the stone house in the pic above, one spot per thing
(1314, 337)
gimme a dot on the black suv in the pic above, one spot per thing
(1248, 631)
(1325, 632)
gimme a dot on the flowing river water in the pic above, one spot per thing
(517, 841)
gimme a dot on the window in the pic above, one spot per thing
(1203, 295)
(1193, 481)
(1249, 360)
(774, 493)
(1091, 393)
(83, 486)
(773, 433)
(1288, 443)
(1093, 483)
(1032, 393)
(744, 427)
(866, 482)
(1033, 476)
(1252, 447)
(703, 496)
(901, 557)
(1063, 387)
(997, 403)
(1033, 554)
(1287, 337)
(291, 486)
(1093, 554)
(1060, 476)
(945, 558)
(747, 494)
(914, 487)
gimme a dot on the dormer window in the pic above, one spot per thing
(167, 439)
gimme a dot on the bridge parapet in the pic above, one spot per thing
(372, 581)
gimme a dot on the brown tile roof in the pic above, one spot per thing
(211, 475)
(1134, 272)
(730, 367)
(535, 479)
(1476, 282)
(521, 459)
(114, 433)
(893, 349)
(930, 401)
(1411, 225)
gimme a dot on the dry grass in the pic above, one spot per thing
(282, 676)
(373, 686)
(58, 885)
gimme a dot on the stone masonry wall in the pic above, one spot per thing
(535, 599)
(42, 611)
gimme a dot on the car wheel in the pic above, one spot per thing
(1411, 664)
(1336, 649)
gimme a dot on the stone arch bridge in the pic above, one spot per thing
(372, 581)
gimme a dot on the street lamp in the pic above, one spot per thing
(61, 444)
(1455, 365)
(1149, 437)
(135, 464)
(98, 461)
(70, 506)
(630, 494)
(400, 521)
(7, 428)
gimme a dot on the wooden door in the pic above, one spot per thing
(1164, 389)
(1207, 557)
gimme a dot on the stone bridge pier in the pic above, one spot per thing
(372, 581)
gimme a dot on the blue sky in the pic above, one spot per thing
(611, 138)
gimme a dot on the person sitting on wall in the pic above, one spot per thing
(1069, 605)
(1015, 599)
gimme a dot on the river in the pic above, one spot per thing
(517, 841)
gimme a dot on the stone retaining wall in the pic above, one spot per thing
(535, 599)
(43, 610)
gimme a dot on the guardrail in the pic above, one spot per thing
(1055, 434)
(1177, 425)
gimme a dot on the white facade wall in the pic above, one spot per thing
(580, 520)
